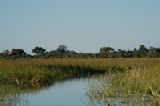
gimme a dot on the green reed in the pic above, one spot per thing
(43, 70)
(23, 71)
(137, 84)
(136, 78)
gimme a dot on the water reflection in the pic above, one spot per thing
(103, 92)
(69, 92)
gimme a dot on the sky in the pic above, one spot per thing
(82, 25)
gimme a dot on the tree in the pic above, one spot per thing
(106, 50)
(39, 50)
(128, 54)
(142, 51)
(6, 52)
(151, 49)
(17, 52)
(158, 50)
(61, 49)
(119, 54)
(156, 53)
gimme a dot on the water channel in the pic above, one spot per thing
(70, 92)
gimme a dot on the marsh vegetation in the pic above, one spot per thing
(137, 85)
(134, 81)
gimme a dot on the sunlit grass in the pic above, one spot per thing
(138, 84)
(136, 78)
(23, 71)
(43, 70)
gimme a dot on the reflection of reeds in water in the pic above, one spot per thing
(13, 100)
(112, 96)
(12, 95)
(129, 76)
(139, 86)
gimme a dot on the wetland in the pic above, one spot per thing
(32, 82)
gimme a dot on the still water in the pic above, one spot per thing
(71, 92)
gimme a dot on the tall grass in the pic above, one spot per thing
(44, 70)
(23, 71)
(138, 84)
(125, 77)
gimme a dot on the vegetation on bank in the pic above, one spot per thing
(22, 71)
(44, 70)
(138, 85)
(125, 78)
(62, 52)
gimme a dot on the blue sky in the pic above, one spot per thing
(81, 25)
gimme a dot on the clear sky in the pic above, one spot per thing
(82, 25)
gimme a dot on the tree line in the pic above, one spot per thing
(63, 52)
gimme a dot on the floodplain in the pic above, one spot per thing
(133, 81)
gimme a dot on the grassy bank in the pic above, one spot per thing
(137, 78)
(44, 70)
(137, 85)
(23, 71)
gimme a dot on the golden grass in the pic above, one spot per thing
(34, 70)
(140, 78)
(126, 75)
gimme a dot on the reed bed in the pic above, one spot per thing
(23, 71)
(43, 70)
(137, 85)
(136, 79)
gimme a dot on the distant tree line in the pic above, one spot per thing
(62, 52)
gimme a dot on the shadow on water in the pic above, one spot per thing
(13, 95)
